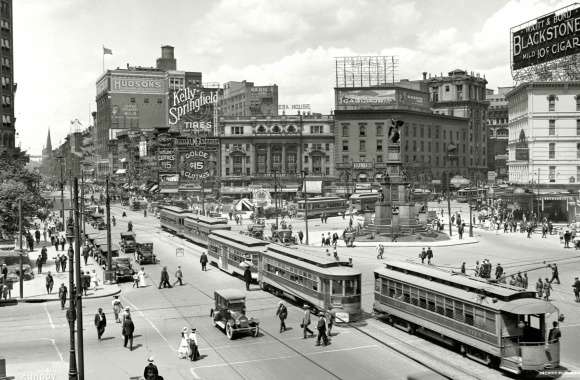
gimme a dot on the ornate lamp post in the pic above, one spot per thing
(71, 312)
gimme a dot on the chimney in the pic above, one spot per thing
(424, 75)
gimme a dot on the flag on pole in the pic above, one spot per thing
(107, 51)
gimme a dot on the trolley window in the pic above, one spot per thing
(351, 287)
(440, 305)
(430, 301)
(406, 294)
(449, 308)
(458, 315)
(337, 288)
(422, 299)
(414, 296)
(469, 315)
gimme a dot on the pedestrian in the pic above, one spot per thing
(95, 279)
(62, 243)
(178, 276)
(321, 327)
(193, 345)
(100, 322)
(540, 288)
(306, 322)
(330, 318)
(129, 226)
(555, 275)
(86, 281)
(323, 240)
(381, 251)
(463, 267)
(525, 281)
(460, 230)
(49, 282)
(113, 221)
(520, 280)
(576, 287)
(136, 280)
(300, 236)
(39, 263)
(335, 253)
(126, 314)
(429, 255)
(145, 212)
(567, 236)
(554, 334)
(128, 330)
(183, 349)
(62, 292)
(4, 273)
(282, 313)
(63, 259)
(86, 253)
(164, 279)
(44, 255)
(37, 236)
(547, 289)
(248, 277)
(203, 261)
(498, 271)
(151, 372)
(54, 241)
(141, 276)
(423, 255)
(117, 307)
(57, 261)
(44, 234)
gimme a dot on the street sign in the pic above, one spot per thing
(179, 252)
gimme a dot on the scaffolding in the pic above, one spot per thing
(365, 71)
(561, 69)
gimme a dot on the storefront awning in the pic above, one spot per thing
(121, 171)
(169, 191)
(153, 188)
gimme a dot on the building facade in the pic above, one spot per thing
(8, 89)
(430, 147)
(544, 134)
(246, 99)
(257, 150)
(497, 144)
(463, 95)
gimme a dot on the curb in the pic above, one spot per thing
(41, 300)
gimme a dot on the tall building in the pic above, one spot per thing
(544, 134)
(431, 146)
(47, 150)
(7, 128)
(460, 94)
(254, 148)
(246, 99)
(497, 144)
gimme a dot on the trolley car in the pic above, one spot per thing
(316, 205)
(232, 252)
(172, 218)
(197, 228)
(363, 201)
(319, 280)
(495, 324)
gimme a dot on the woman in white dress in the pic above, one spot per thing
(141, 277)
(183, 350)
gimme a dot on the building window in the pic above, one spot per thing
(363, 157)
(459, 89)
(414, 131)
(132, 100)
(159, 101)
(379, 130)
(379, 158)
(237, 130)
(344, 145)
(577, 173)
(315, 129)
(146, 100)
(428, 132)
(362, 146)
(248, 171)
(552, 127)
(227, 160)
(345, 158)
(327, 171)
(363, 131)
(305, 159)
(227, 171)
(577, 102)
(379, 146)
(578, 150)
(577, 127)
(345, 130)
(552, 174)
(552, 151)
(447, 88)
(327, 147)
(421, 132)
(552, 103)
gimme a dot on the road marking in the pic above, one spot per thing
(283, 357)
(49, 317)
(195, 376)
(150, 323)
(55, 347)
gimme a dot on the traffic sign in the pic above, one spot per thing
(179, 252)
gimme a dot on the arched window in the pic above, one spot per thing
(551, 103)
(261, 129)
(291, 129)
(275, 129)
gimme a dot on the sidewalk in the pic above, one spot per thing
(35, 289)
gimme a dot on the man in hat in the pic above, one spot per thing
(62, 292)
(151, 372)
(164, 279)
(126, 314)
(100, 322)
(128, 329)
(282, 313)
(203, 262)
(248, 277)
(117, 307)
(576, 288)
(306, 322)
(321, 327)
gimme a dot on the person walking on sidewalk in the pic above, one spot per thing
(423, 255)
(164, 279)
(86, 253)
(57, 262)
(203, 262)
(321, 327)
(576, 287)
(248, 277)
(100, 322)
(49, 282)
(547, 289)
(306, 322)
(37, 236)
(62, 243)
(178, 276)
(117, 307)
(429, 255)
(39, 263)
(63, 259)
(282, 313)
(62, 292)
(54, 240)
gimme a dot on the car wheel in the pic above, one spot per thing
(229, 331)
(257, 331)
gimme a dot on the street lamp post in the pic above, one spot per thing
(305, 194)
(78, 302)
(21, 279)
(109, 272)
(71, 312)
(203, 196)
(60, 159)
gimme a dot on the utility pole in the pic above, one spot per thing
(60, 158)
(79, 295)
(276, 198)
(305, 203)
(109, 271)
(82, 213)
(21, 280)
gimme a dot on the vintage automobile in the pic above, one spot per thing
(230, 314)
(144, 253)
(128, 243)
(123, 269)
(283, 237)
(12, 261)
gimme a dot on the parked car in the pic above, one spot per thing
(144, 254)
(229, 314)
(128, 243)
(123, 269)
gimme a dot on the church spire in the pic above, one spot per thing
(48, 142)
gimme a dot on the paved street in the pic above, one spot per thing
(160, 314)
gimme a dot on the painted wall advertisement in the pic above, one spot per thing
(366, 97)
(191, 109)
(550, 37)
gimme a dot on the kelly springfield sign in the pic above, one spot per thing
(547, 38)
(191, 109)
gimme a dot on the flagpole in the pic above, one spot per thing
(103, 58)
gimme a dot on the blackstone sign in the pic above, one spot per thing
(191, 108)
(550, 37)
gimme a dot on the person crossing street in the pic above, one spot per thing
(178, 276)
(282, 313)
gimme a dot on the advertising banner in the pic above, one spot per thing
(313, 187)
(378, 97)
(138, 84)
(545, 39)
(191, 109)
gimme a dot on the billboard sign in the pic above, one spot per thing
(191, 109)
(166, 159)
(550, 37)
(138, 84)
(378, 97)
(195, 165)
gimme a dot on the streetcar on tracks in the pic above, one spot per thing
(493, 323)
(309, 276)
(172, 218)
(197, 228)
(233, 252)
(316, 205)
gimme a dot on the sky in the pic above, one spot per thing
(291, 43)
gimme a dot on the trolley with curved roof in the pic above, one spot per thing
(307, 275)
(489, 322)
(317, 205)
(197, 228)
(172, 218)
(232, 251)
